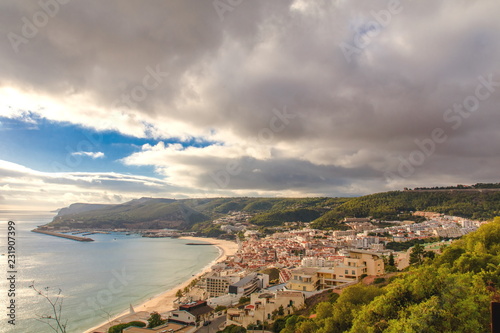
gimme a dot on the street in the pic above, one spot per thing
(213, 327)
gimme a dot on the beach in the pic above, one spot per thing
(164, 302)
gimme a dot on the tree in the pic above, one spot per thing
(391, 261)
(233, 329)
(54, 320)
(119, 328)
(220, 308)
(278, 325)
(155, 320)
(178, 293)
(417, 255)
(244, 300)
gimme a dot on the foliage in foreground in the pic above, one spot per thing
(450, 293)
(119, 328)
(233, 329)
(155, 320)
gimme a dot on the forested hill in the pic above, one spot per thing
(398, 205)
(184, 214)
(323, 212)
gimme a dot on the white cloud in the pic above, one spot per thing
(93, 155)
(20, 186)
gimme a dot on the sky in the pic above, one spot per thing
(107, 101)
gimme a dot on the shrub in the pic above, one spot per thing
(119, 328)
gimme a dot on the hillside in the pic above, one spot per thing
(398, 205)
(324, 213)
(77, 208)
(184, 214)
(139, 213)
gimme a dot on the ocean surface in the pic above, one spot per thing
(97, 279)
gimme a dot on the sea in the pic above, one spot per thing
(94, 280)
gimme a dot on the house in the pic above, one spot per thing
(191, 314)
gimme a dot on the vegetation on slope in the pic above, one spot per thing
(325, 213)
(194, 214)
(397, 205)
(450, 293)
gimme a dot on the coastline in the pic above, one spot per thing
(163, 302)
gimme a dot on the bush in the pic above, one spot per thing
(379, 280)
(233, 329)
(119, 328)
(220, 308)
(244, 300)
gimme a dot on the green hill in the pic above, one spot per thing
(325, 213)
(184, 214)
(398, 205)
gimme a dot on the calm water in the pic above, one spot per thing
(96, 278)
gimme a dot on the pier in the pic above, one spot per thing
(76, 238)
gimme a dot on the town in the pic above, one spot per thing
(273, 274)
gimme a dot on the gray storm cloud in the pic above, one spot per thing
(367, 83)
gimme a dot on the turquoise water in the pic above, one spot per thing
(96, 278)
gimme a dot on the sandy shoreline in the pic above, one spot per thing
(164, 301)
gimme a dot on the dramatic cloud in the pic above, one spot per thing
(281, 98)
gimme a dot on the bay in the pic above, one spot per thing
(97, 279)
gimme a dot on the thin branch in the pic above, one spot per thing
(56, 306)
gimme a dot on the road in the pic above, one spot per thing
(213, 327)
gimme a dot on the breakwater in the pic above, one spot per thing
(76, 238)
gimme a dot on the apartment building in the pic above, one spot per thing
(217, 285)
(263, 307)
(304, 279)
(249, 284)
(349, 269)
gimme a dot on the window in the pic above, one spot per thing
(346, 271)
(353, 272)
